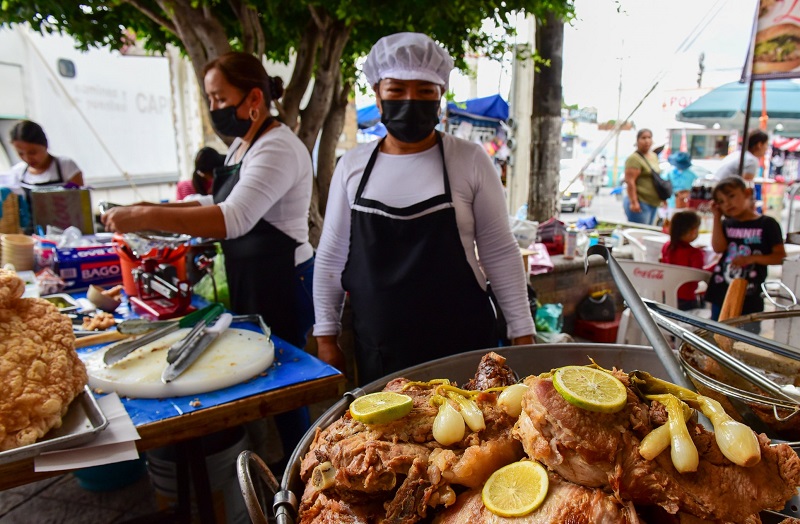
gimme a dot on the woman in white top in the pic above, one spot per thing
(259, 204)
(39, 168)
(404, 217)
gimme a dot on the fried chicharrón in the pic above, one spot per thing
(40, 371)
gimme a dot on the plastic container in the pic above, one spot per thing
(221, 451)
(617, 240)
(128, 262)
(571, 242)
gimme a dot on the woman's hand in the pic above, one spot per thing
(328, 351)
(124, 219)
(635, 207)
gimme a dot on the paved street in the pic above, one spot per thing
(604, 207)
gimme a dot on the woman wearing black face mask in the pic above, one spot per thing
(259, 204)
(403, 218)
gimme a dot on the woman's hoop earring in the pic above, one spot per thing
(254, 114)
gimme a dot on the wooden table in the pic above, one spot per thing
(203, 422)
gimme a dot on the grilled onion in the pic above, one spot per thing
(470, 411)
(511, 399)
(655, 442)
(682, 450)
(448, 426)
(737, 442)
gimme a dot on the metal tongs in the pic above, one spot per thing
(725, 360)
(193, 346)
(639, 310)
(724, 329)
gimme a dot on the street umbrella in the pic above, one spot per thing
(727, 104)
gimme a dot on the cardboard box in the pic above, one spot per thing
(63, 208)
(81, 266)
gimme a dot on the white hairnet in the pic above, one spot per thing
(408, 56)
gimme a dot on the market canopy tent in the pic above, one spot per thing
(727, 104)
(488, 111)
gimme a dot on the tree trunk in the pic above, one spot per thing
(331, 132)
(543, 196)
(327, 77)
(301, 76)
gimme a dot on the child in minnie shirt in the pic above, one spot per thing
(749, 242)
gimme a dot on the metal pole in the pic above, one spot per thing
(615, 174)
(746, 125)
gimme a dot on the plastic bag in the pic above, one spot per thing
(205, 286)
(525, 231)
(549, 318)
(539, 261)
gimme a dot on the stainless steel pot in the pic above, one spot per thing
(524, 360)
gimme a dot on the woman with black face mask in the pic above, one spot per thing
(259, 204)
(403, 218)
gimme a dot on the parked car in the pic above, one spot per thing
(574, 194)
(573, 197)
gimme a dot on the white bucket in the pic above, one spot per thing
(227, 499)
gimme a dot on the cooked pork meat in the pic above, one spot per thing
(492, 372)
(399, 466)
(601, 450)
(39, 369)
(565, 503)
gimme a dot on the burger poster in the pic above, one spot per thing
(776, 42)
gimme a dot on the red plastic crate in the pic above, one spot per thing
(596, 331)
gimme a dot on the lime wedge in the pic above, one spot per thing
(381, 407)
(516, 490)
(590, 389)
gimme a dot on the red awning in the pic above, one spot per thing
(787, 144)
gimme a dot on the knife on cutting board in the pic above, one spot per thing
(191, 350)
(121, 350)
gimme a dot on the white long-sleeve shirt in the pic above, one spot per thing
(274, 184)
(404, 180)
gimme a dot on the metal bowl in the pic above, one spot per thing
(715, 381)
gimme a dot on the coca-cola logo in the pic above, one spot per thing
(652, 274)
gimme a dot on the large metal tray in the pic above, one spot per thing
(524, 360)
(83, 421)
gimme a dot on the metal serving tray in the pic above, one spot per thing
(83, 421)
(73, 305)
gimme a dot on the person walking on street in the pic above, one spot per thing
(757, 145)
(682, 177)
(641, 201)
(404, 217)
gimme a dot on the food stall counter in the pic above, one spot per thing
(294, 379)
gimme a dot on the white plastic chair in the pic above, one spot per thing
(635, 238)
(654, 281)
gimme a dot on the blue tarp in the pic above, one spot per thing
(491, 107)
(489, 110)
(368, 116)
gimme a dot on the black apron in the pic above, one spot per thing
(413, 293)
(260, 264)
(30, 186)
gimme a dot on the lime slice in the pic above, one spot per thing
(590, 389)
(516, 490)
(381, 407)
